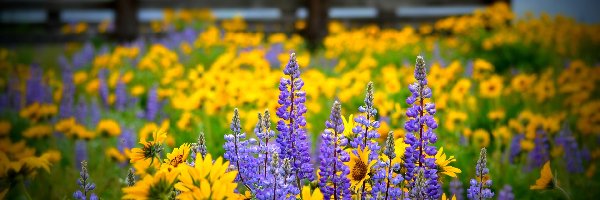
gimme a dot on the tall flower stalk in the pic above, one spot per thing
(237, 151)
(365, 132)
(420, 154)
(480, 185)
(85, 185)
(333, 172)
(292, 139)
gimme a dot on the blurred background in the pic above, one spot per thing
(45, 21)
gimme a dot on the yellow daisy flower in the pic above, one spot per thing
(491, 88)
(158, 186)
(146, 167)
(481, 138)
(349, 124)
(108, 127)
(150, 149)
(178, 156)
(546, 180)
(38, 131)
(359, 167)
(115, 154)
(443, 163)
(315, 195)
(207, 180)
(446, 198)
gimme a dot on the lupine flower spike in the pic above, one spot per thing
(480, 185)
(420, 154)
(292, 139)
(237, 151)
(130, 178)
(85, 185)
(334, 182)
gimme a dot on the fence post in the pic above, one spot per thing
(318, 17)
(127, 22)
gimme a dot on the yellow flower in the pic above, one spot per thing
(79, 77)
(481, 138)
(446, 198)
(207, 180)
(315, 195)
(146, 167)
(137, 90)
(115, 154)
(454, 119)
(546, 180)
(522, 82)
(4, 128)
(496, 114)
(359, 167)
(157, 186)
(481, 68)
(65, 125)
(38, 131)
(51, 155)
(108, 127)
(491, 88)
(184, 120)
(349, 124)
(502, 133)
(460, 90)
(443, 163)
(178, 156)
(150, 149)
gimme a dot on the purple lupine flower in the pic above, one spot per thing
(80, 152)
(95, 113)
(103, 88)
(14, 93)
(292, 140)
(35, 87)
(389, 176)
(152, 105)
(334, 182)
(420, 154)
(540, 153)
(456, 189)
(480, 187)
(85, 185)
(201, 146)
(366, 128)
(418, 190)
(273, 53)
(82, 113)
(469, 68)
(572, 154)
(120, 95)
(68, 92)
(127, 139)
(265, 134)
(366, 133)
(240, 152)
(515, 148)
(84, 56)
(506, 193)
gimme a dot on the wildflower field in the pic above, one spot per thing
(481, 106)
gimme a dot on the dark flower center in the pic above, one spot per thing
(359, 171)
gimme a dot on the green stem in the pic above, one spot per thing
(564, 192)
(22, 186)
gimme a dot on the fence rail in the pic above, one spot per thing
(315, 12)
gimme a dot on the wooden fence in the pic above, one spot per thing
(318, 12)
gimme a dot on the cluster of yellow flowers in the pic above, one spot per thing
(205, 179)
(19, 162)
